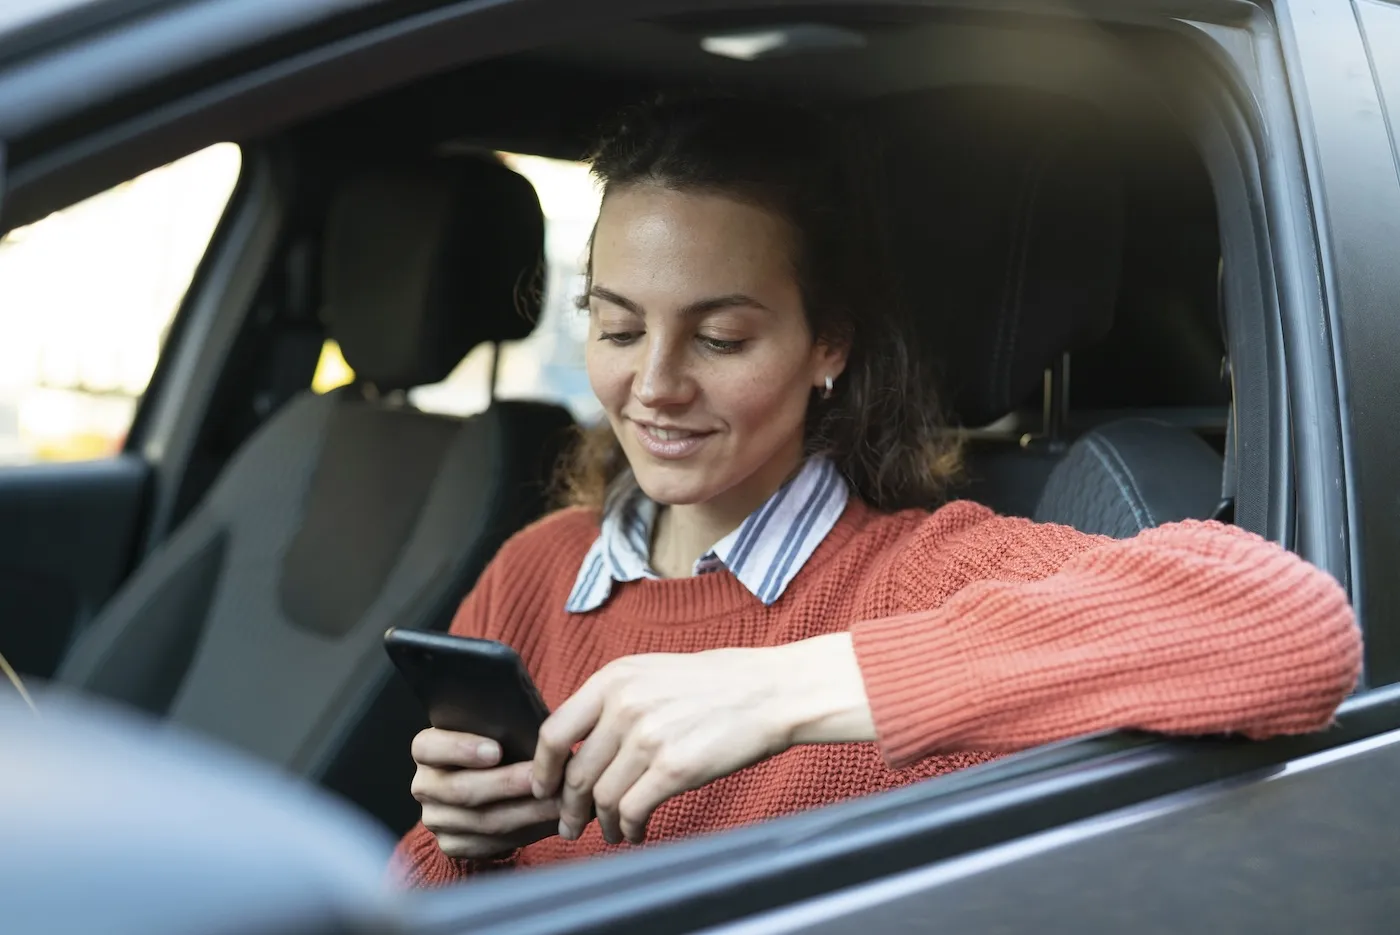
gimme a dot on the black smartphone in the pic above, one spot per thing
(473, 686)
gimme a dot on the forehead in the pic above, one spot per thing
(654, 237)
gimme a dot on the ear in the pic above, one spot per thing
(828, 360)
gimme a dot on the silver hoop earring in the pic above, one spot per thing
(826, 393)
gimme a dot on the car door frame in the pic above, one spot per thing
(1352, 176)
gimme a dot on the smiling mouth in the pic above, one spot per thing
(669, 443)
(667, 435)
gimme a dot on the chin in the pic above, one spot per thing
(673, 491)
(676, 484)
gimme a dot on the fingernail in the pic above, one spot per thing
(565, 831)
(488, 751)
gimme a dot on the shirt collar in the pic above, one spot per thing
(765, 552)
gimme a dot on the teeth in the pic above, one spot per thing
(667, 435)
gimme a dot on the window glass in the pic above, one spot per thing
(548, 365)
(86, 298)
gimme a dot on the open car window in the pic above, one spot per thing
(87, 295)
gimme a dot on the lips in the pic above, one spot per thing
(670, 443)
(669, 435)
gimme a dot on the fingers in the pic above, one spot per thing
(471, 788)
(580, 774)
(571, 722)
(446, 749)
(481, 847)
(644, 797)
(626, 768)
(496, 820)
(472, 846)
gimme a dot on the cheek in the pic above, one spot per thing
(751, 398)
(607, 375)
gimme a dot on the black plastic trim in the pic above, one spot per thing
(1226, 124)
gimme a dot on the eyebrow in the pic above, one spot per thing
(700, 307)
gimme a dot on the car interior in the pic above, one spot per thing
(1052, 225)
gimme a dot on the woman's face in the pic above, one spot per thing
(698, 346)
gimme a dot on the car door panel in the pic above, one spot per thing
(1311, 848)
(71, 535)
(932, 836)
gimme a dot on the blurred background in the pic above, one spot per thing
(87, 296)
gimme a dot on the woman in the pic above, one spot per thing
(750, 611)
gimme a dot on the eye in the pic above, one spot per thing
(720, 346)
(619, 338)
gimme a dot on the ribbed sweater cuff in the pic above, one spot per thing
(917, 681)
(419, 862)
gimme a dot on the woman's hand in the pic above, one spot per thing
(474, 808)
(654, 726)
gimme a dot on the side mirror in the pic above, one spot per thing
(112, 823)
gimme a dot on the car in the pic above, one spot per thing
(1167, 229)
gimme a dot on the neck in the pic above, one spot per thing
(683, 533)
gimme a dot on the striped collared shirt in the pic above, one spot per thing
(765, 553)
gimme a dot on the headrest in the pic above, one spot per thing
(1006, 220)
(424, 262)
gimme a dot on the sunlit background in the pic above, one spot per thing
(87, 295)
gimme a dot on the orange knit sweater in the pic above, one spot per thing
(976, 634)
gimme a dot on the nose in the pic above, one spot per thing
(663, 379)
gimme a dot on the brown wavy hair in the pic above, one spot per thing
(882, 426)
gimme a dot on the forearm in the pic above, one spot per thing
(1184, 630)
(824, 698)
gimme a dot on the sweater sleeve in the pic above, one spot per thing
(1015, 633)
(418, 861)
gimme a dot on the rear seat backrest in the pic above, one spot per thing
(260, 620)
(1005, 213)
(1131, 475)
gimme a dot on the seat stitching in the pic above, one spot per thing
(1128, 473)
(1123, 488)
